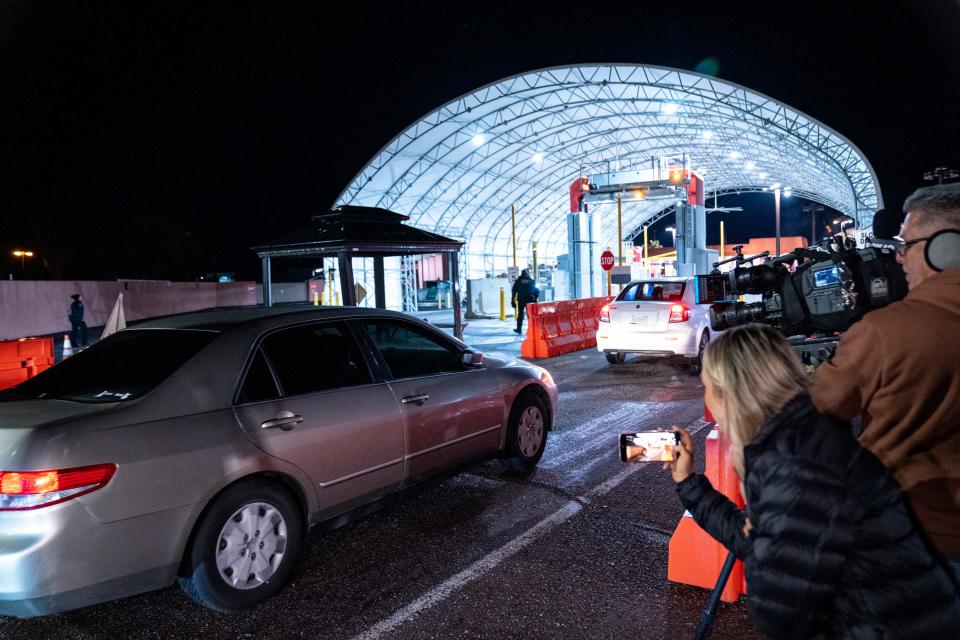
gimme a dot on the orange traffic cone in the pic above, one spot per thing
(67, 347)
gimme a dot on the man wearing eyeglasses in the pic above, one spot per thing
(899, 368)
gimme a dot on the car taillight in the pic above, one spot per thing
(605, 313)
(679, 313)
(33, 489)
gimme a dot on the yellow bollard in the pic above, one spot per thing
(503, 304)
(439, 299)
(449, 299)
(316, 298)
(338, 298)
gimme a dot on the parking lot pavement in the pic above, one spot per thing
(575, 549)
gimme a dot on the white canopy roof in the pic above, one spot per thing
(525, 139)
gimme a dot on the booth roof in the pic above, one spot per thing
(359, 231)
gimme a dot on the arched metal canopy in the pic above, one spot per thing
(525, 139)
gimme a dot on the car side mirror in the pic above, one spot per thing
(472, 359)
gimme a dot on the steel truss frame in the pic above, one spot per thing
(523, 140)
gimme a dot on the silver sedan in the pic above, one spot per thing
(200, 448)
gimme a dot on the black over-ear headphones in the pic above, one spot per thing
(943, 250)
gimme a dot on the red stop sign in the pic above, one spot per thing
(606, 260)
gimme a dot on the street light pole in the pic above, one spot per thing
(673, 232)
(941, 173)
(23, 255)
(776, 200)
(813, 210)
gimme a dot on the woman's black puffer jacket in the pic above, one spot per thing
(832, 552)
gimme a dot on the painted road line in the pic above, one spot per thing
(474, 571)
(489, 562)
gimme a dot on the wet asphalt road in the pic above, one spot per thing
(575, 549)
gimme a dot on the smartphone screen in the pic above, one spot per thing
(648, 446)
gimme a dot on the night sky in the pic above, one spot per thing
(162, 140)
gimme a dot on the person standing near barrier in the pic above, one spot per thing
(828, 546)
(899, 368)
(78, 328)
(524, 291)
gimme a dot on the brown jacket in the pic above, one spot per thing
(900, 368)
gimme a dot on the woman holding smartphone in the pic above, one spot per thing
(828, 547)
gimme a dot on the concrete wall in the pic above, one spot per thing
(33, 308)
(287, 292)
(483, 297)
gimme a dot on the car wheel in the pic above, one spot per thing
(616, 358)
(245, 547)
(527, 430)
(696, 363)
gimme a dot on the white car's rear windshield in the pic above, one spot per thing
(653, 291)
(122, 367)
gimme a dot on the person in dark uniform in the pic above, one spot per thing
(78, 328)
(524, 292)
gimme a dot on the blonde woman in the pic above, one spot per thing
(827, 544)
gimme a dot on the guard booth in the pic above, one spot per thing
(348, 232)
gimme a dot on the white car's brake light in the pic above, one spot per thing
(679, 313)
(32, 489)
(605, 313)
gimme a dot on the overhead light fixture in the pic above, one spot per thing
(762, 175)
(749, 165)
(707, 134)
(538, 157)
(787, 192)
(669, 108)
(478, 139)
(775, 185)
(735, 155)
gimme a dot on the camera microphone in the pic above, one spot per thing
(886, 223)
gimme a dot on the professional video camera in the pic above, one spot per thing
(813, 293)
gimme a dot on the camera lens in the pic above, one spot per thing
(725, 316)
(757, 279)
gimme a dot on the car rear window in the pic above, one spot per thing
(653, 291)
(122, 367)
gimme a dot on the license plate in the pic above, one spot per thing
(642, 319)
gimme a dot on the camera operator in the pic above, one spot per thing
(899, 368)
(828, 546)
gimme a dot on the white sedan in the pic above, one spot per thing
(655, 316)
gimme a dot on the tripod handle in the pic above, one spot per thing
(708, 614)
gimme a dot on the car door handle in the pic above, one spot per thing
(417, 399)
(284, 420)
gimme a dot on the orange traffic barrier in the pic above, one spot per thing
(695, 557)
(24, 358)
(554, 328)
